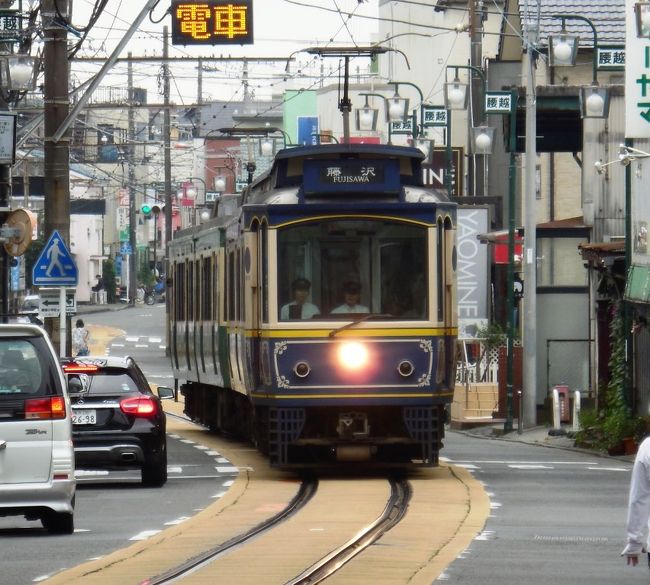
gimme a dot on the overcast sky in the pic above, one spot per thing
(280, 28)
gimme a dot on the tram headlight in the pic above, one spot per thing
(353, 355)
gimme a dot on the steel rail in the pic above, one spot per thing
(393, 513)
(307, 490)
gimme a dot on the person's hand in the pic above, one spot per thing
(632, 552)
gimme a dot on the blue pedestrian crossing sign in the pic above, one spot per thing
(55, 266)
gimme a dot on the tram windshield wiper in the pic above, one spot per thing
(360, 320)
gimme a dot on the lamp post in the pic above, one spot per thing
(563, 49)
(18, 75)
(456, 98)
(510, 281)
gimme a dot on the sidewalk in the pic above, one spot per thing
(87, 308)
(538, 435)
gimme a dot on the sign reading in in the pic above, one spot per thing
(212, 22)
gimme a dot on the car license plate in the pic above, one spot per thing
(84, 417)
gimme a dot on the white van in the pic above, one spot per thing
(36, 453)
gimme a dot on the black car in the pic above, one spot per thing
(117, 421)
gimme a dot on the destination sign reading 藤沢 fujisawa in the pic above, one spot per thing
(322, 176)
(364, 174)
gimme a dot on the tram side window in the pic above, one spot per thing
(264, 276)
(404, 278)
(231, 286)
(206, 296)
(180, 295)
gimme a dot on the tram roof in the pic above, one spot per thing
(384, 150)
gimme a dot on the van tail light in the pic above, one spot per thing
(144, 406)
(49, 408)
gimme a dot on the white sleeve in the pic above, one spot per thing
(638, 511)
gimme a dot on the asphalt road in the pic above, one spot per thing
(112, 508)
(557, 516)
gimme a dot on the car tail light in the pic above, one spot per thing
(49, 408)
(139, 406)
(74, 368)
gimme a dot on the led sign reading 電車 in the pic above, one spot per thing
(212, 22)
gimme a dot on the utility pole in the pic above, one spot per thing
(56, 151)
(167, 145)
(528, 405)
(133, 268)
(477, 164)
(168, 182)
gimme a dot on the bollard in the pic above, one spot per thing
(556, 409)
(576, 410)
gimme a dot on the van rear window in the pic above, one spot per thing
(21, 371)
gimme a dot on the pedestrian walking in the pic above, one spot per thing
(80, 338)
(638, 509)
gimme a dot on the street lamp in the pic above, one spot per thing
(642, 14)
(18, 72)
(416, 131)
(367, 113)
(366, 117)
(562, 51)
(456, 98)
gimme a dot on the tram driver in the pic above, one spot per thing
(300, 307)
(351, 298)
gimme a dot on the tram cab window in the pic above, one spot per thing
(384, 261)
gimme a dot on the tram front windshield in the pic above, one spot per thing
(347, 268)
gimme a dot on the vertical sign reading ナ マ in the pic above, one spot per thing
(212, 22)
(637, 77)
(472, 271)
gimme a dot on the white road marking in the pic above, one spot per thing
(219, 495)
(188, 441)
(467, 465)
(118, 345)
(201, 447)
(485, 535)
(177, 521)
(530, 466)
(145, 534)
(213, 453)
(174, 469)
(222, 460)
(608, 469)
(231, 469)
(132, 339)
(155, 340)
(227, 483)
(142, 345)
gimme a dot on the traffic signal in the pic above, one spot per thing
(157, 209)
(145, 208)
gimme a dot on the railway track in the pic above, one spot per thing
(394, 510)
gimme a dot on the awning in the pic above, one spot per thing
(499, 241)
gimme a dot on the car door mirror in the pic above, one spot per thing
(165, 393)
